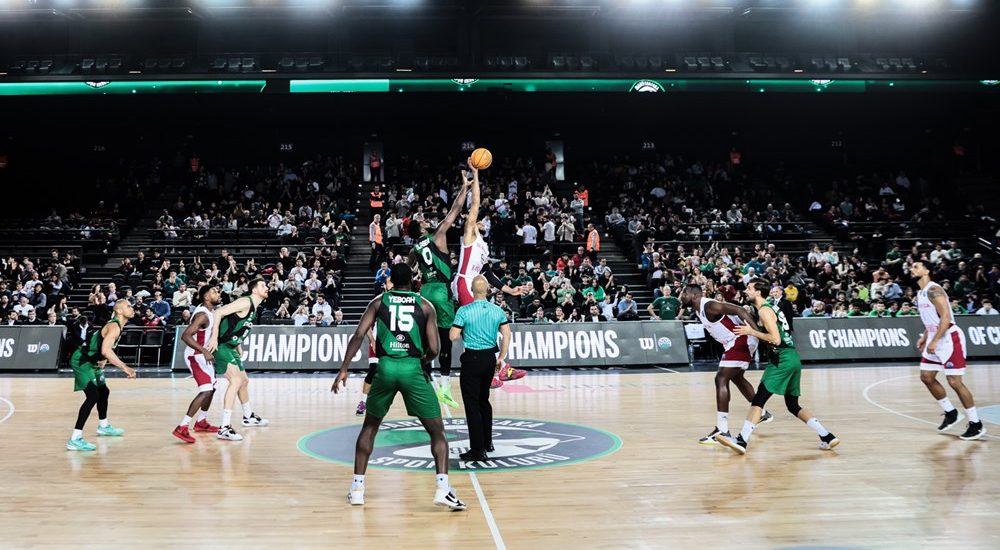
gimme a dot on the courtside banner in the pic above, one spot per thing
(283, 347)
(825, 339)
(30, 347)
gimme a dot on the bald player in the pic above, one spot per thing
(88, 373)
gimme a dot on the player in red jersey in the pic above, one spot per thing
(199, 361)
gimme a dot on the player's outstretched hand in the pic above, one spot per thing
(339, 383)
(743, 330)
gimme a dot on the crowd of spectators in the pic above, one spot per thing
(35, 291)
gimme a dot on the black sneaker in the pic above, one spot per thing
(765, 418)
(737, 445)
(710, 438)
(829, 441)
(974, 431)
(950, 419)
(473, 456)
(489, 448)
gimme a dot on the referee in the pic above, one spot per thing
(477, 325)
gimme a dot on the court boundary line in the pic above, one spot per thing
(491, 522)
(9, 413)
(868, 398)
(666, 369)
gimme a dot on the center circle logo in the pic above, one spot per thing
(519, 444)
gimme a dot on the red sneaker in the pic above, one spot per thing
(181, 432)
(497, 383)
(510, 373)
(204, 426)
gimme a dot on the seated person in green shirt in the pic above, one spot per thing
(665, 307)
(906, 309)
(594, 289)
(878, 310)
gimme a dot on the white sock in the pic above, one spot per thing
(722, 421)
(202, 415)
(77, 434)
(247, 411)
(227, 417)
(444, 381)
(186, 421)
(973, 414)
(364, 398)
(358, 484)
(817, 427)
(946, 405)
(748, 428)
(442, 481)
(104, 423)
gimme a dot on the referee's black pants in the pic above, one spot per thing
(478, 368)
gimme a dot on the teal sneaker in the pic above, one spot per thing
(110, 431)
(80, 445)
(444, 396)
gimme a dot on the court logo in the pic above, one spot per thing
(646, 86)
(649, 344)
(518, 445)
(646, 343)
(38, 348)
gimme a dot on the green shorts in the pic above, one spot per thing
(225, 356)
(84, 373)
(784, 373)
(407, 377)
(440, 297)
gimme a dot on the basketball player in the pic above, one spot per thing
(407, 339)
(199, 361)
(88, 373)
(474, 259)
(719, 320)
(231, 325)
(370, 376)
(782, 375)
(430, 254)
(942, 347)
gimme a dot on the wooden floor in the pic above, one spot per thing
(893, 483)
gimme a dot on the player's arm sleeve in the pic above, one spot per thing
(491, 277)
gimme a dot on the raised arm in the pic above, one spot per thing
(441, 234)
(471, 231)
(364, 329)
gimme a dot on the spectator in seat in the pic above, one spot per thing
(338, 319)
(38, 297)
(301, 315)
(185, 317)
(322, 310)
(23, 307)
(906, 309)
(987, 309)
(628, 310)
(818, 309)
(32, 318)
(160, 307)
(595, 315)
(151, 320)
(11, 319)
(665, 307)
(181, 297)
(381, 276)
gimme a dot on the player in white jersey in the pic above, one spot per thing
(199, 361)
(942, 347)
(474, 259)
(719, 320)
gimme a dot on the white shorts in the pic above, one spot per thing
(203, 372)
(948, 356)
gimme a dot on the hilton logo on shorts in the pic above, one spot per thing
(520, 444)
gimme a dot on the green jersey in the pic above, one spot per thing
(400, 325)
(786, 338)
(233, 329)
(435, 264)
(666, 307)
(90, 350)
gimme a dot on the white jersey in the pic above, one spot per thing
(202, 335)
(928, 313)
(471, 261)
(721, 330)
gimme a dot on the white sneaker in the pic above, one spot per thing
(447, 497)
(254, 420)
(228, 433)
(356, 498)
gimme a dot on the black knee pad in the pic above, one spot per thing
(792, 402)
(761, 397)
(371, 373)
(103, 391)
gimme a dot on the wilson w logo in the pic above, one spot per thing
(647, 343)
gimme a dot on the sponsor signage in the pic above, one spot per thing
(519, 444)
(30, 347)
(825, 339)
(281, 347)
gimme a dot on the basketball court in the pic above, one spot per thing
(585, 459)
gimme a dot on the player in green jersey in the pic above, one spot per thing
(406, 339)
(231, 325)
(430, 255)
(88, 372)
(783, 373)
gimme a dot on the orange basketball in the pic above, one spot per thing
(481, 159)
